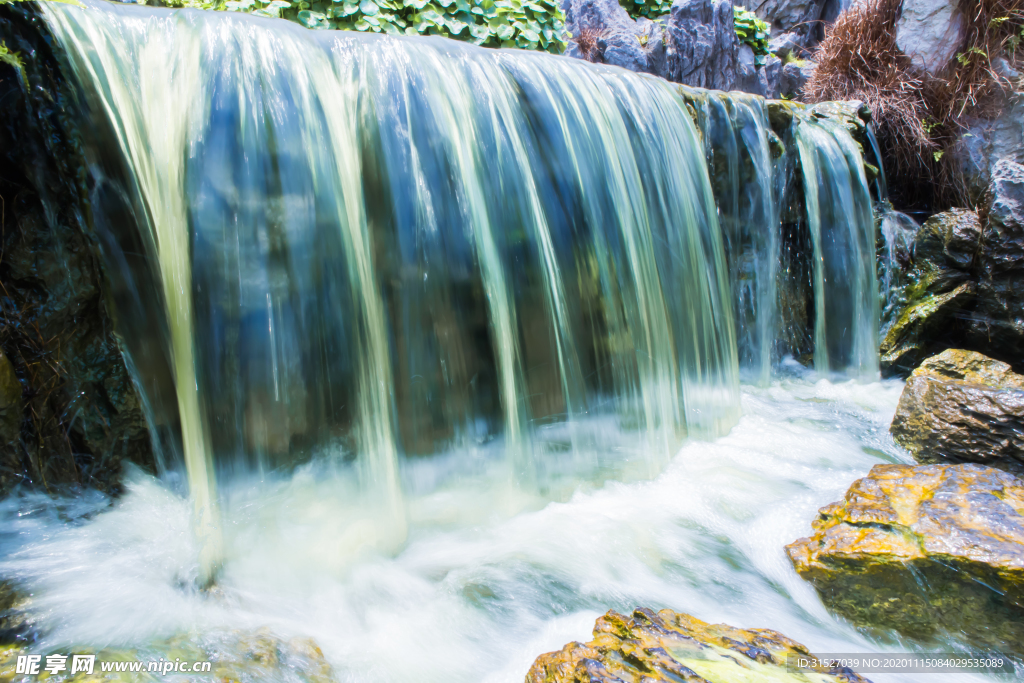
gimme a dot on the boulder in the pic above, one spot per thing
(763, 81)
(929, 32)
(670, 647)
(702, 44)
(998, 322)
(987, 141)
(236, 656)
(939, 291)
(961, 406)
(925, 550)
(793, 79)
(604, 33)
(797, 19)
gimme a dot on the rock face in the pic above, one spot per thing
(986, 142)
(929, 32)
(69, 411)
(694, 44)
(961, 406)
(671, 647)
(794, 23)
(703, 48)
(923, 549)
(793, 79)
(999, 318)
(940, 286)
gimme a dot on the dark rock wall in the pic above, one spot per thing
(69, 411)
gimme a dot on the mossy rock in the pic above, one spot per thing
(961, 406)
(938, 292)
(926, 550)
(670, 647)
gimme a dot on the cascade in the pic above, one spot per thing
(364, 249)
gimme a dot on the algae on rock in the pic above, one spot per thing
(671, 646)
(925, 550)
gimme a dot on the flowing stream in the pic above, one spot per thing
(445, 351)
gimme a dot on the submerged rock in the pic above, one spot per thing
(963, 406)
(924, 550)
(671, 646)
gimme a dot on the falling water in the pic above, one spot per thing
(748, 181)
(373, 248)
(840, 220)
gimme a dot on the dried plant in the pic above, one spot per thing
(920, 116)
(587, 41)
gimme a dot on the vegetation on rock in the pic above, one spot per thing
(671, 646)
(753, 32)
(924, 550)
(525, 24)
(919, 115)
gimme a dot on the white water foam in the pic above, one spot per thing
(489, 577)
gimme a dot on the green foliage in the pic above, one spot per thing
(11, 58)
(526, 24)
(751, 31)
(646, 8)
(965, 57)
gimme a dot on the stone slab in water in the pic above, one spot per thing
(922, 550)
(672, 646)
(962, 406)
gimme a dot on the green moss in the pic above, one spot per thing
(751, 31)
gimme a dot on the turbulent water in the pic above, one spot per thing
(490, 576)
(421, 329)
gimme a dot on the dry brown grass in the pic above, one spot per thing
(586, 41)
(918, 116)
(858, 60)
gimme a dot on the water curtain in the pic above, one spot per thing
(365, 248)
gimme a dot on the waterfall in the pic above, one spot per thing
(364, 249)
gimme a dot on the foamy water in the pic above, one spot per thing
(490, 577)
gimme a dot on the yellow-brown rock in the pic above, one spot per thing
(670, 647)
(961, 406)
(924, 549)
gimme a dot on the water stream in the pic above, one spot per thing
(445, 346)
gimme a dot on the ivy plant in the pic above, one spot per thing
(751, 31)
(525, 24)
(646, 8)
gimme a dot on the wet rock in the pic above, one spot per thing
(76, 415)
(11, 404)
(939, 294)
(793, 79)
(961, 406)
(671, 646)
(929, 32)
(924, 550)
(237, 657)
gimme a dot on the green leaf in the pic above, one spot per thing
(505, 32)
(313, 19)
(368, 8)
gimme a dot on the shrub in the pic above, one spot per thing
(526, 24)
(751, 31)
(651, 9)
(918, 115)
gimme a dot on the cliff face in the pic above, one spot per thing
(70, 412)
